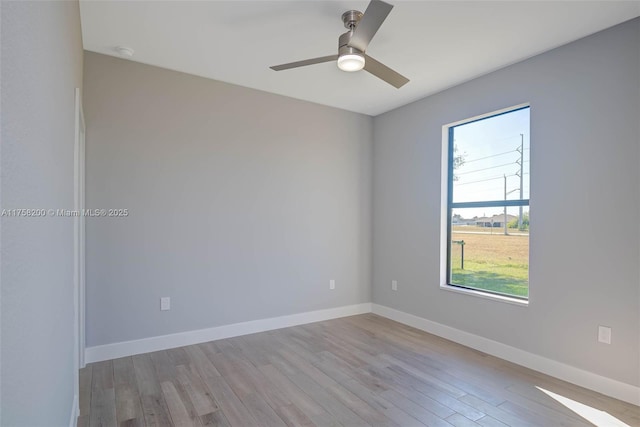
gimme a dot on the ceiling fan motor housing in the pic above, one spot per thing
(343, 45)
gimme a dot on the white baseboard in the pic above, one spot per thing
(75, 412)
(604, 385)
(163, 342)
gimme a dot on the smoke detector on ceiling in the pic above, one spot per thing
(124, 51)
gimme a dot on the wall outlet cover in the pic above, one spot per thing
(604, 334)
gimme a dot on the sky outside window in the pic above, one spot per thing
(490, 151)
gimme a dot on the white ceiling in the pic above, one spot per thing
(436, 44)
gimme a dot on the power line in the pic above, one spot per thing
(488, 157)
(481, 180)
(487, 168)
(487, 179)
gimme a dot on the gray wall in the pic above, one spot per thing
(584, 196)
(243, 204)
(41, 67)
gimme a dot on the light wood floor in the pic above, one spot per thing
(355, 371)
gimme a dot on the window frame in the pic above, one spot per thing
(447, 205)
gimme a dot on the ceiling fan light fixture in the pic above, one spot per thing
(351, 62)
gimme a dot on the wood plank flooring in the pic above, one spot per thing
(356, 371)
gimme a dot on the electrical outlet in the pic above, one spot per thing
(604, 334)
(165, 303)
(394, 285)
(332, 284)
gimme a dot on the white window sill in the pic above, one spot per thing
(485, 295)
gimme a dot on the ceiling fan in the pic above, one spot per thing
(352, 45)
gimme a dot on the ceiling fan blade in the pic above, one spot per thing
(385, 73)
(372, 19)
(304, 63)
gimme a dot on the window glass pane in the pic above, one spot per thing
(492, 260)
(490, 153)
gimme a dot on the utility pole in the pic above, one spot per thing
(521, 174)
(505, 208)
(506, 193)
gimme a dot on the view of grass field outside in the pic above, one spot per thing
(489, 207)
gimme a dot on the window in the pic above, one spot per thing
(487, 204)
